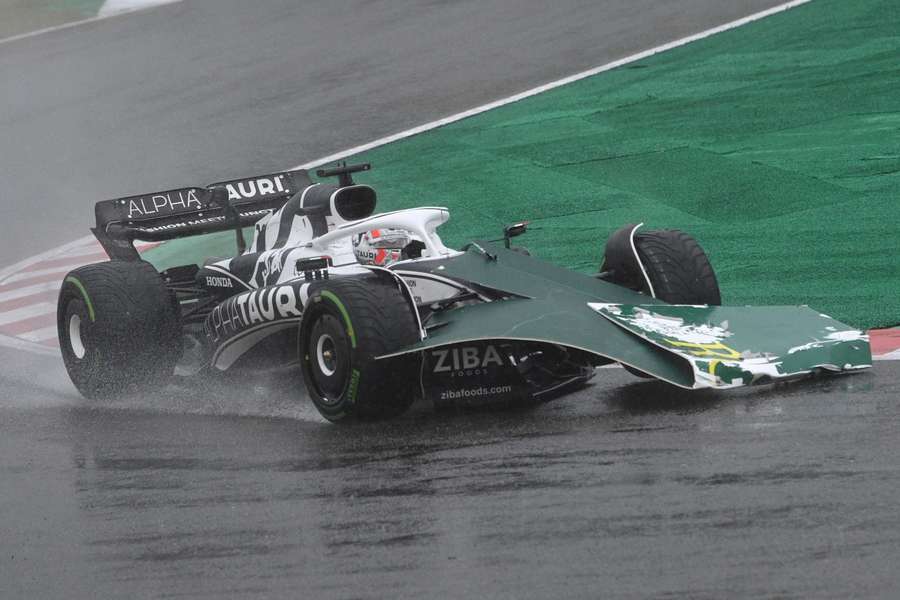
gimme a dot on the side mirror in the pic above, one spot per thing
(218, 196)
(514, 230)
(343, 172)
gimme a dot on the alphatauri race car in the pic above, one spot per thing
(376, 311)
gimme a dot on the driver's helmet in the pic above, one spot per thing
(382, 247)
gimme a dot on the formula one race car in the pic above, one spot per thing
(377, 311)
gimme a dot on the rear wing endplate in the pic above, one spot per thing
(186, 212)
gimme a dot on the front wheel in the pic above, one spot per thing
(678, 270)
(347, 323)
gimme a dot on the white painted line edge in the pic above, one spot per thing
(552, 85)
(26, 275)
(72, 24)
(15, 343)
(86, 250)
(27, 262)
(37, 309)
(40, 335)
(117, 7)
(29, 290)
(895, 355)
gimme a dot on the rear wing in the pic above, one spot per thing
(186, 212)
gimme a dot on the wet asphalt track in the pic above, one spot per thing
(626, 489)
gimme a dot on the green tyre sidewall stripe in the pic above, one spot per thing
(340, 306)
(87, 299)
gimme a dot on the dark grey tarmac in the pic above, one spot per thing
(627, 489)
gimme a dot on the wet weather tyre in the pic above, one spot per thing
(119, 328)
(348, 322)
(679, 270)
(677, 267)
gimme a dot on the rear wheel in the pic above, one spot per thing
(348, 322)
(119, 328)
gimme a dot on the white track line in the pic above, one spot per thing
(552, 85)
(27, 312)
(29, 290)
(22, 264)
(40, 335)
(895, 355)
(35, 273)
(85, 250)
(117, 7)
(100, 17)
(20, 344)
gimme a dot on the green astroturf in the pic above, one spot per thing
(777, 145)
(18, 17)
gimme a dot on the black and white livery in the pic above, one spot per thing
(374, 309)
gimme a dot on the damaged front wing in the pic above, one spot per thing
(732, 346)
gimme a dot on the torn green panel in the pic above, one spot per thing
(732, 346)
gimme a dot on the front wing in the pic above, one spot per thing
(733, 346)
(688, 346)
